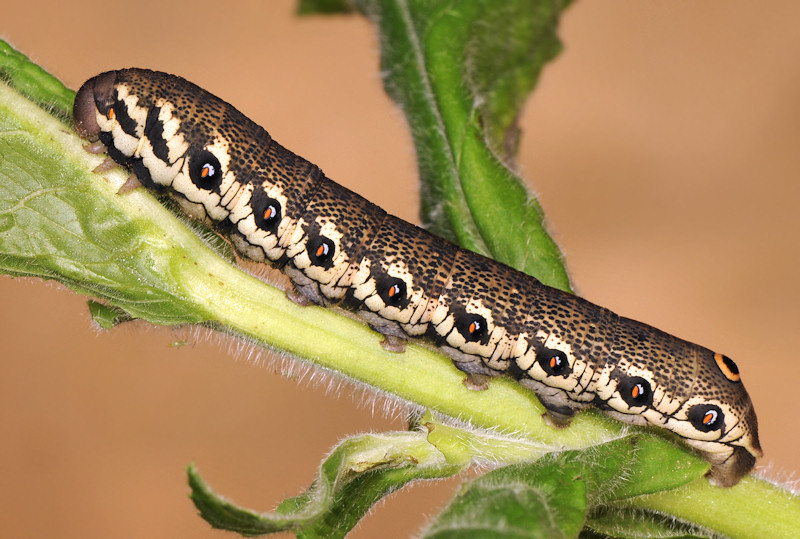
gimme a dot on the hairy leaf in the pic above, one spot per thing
(359, 472)
(461, 71)
(551, 497)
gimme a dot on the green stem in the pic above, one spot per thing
(754, 508)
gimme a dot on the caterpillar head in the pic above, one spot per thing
(719, 419)
(653, 378)
(698, 395)
(96, 93)
(149, 133)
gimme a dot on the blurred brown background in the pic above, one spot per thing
(663, 144)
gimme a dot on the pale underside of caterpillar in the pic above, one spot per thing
(338, 248)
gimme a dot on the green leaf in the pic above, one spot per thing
(34, 82)
(359, 472)
(514, 502)
(324, 7)
(57, 221)
(461, 72)
(551, 497)
(107, 317)
(612, 522)
(651, 466)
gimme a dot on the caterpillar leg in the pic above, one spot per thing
(476, 382)
(130, 184)
(478, 374)
(394, 338)
(392, 343)
(95, 147)
(297, 297)
(559, 409)
(556, 419)
(105, 166)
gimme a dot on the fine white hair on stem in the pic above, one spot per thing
(301, 371)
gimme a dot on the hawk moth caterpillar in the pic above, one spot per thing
(337, 248)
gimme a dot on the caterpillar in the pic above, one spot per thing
(337, 248)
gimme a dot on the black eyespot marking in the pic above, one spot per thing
(321, 251)
(204, 171)
(727, 367)
(392, 290)
(472, 327)
(554, 362)
(266, 211)
(706, 417)
(635, 391)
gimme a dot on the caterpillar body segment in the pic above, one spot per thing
(338, 248)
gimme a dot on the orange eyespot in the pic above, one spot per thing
(727, 367)
(706, 417)
(111, 114)
(204, 169)
(474, 326)
(320, 251)
(269, 213)
(392, 290)
(554, 362)
(635, 391)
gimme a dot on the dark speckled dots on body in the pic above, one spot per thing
(337, 248)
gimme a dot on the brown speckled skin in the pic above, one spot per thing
(338, 248)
